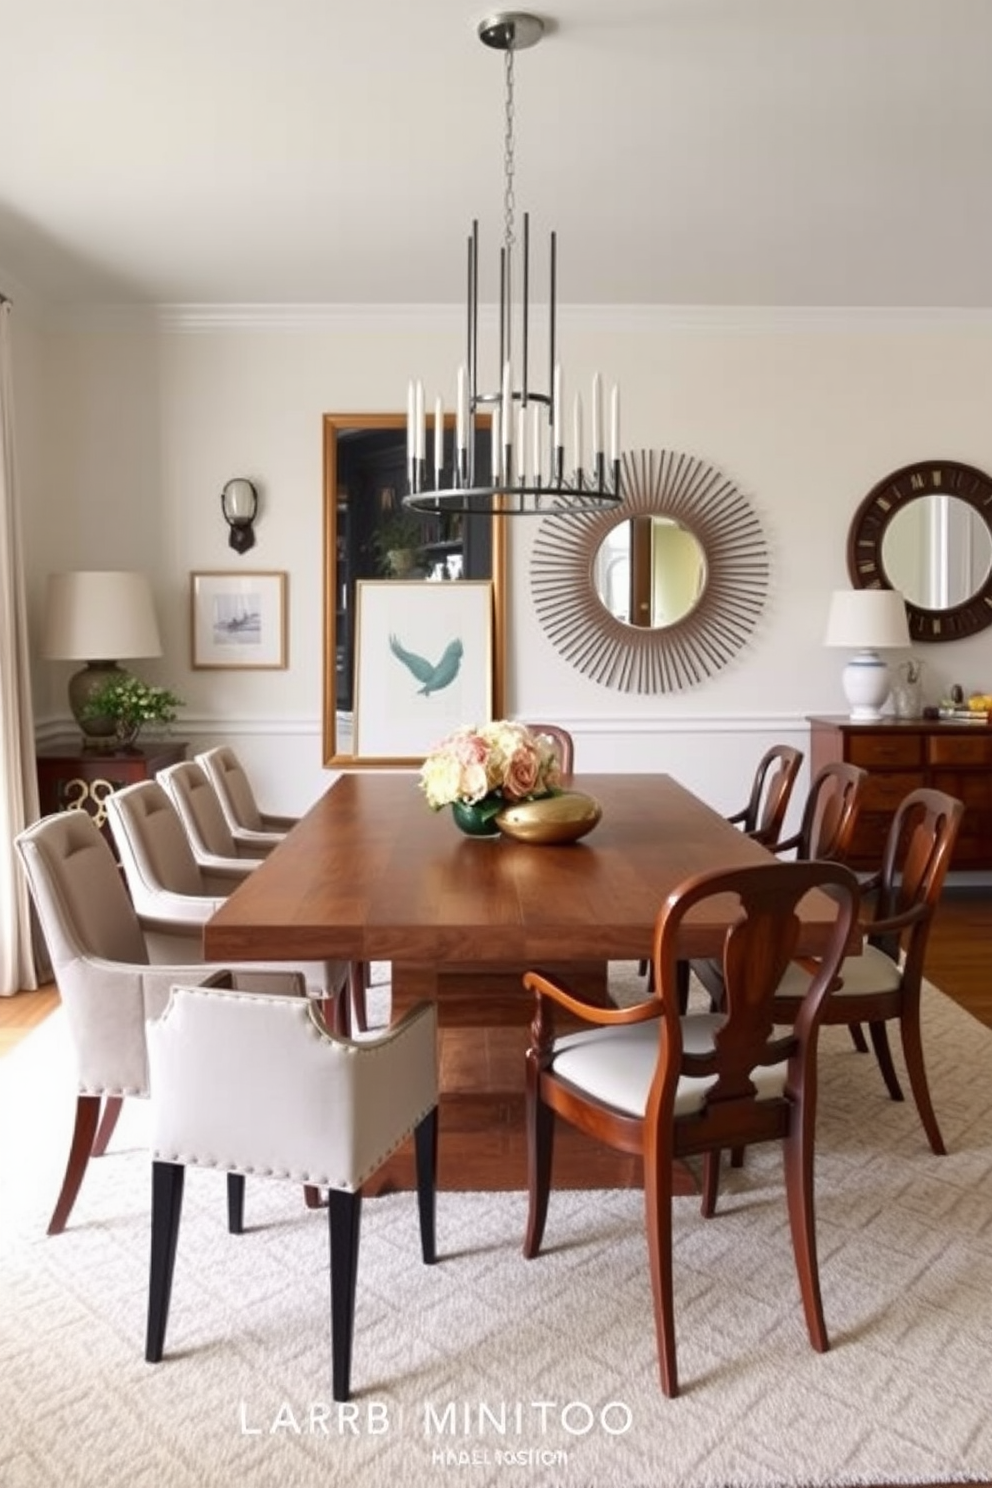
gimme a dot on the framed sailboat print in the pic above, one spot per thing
(238, 620)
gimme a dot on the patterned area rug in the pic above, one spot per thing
(487, 1369)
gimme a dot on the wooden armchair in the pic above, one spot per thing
(562, 741)
(764, 815)
(883, 984)
(650, 1081)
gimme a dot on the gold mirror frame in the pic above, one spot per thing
(336, 424)
(706, 503)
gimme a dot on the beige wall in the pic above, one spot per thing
(133, 423)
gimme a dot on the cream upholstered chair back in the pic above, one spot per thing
(153, 848)
(257, 1086)
(107, 987)
(191, 792)
(173, 895)
(247, 823)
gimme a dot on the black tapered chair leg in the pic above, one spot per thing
(167, 1206)
(858, 1038)
(236, 1203)
(344, 1215)
(425, 1145)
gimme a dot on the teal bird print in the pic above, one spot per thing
(434, 677)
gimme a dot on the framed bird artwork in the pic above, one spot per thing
(424, 665)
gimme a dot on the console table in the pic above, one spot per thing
(901, 754)
(70, 775)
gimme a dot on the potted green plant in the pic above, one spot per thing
(131, 703)
(396, 541)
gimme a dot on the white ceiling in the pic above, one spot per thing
(730, 152)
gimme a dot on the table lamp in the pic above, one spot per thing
(93, 616)
(867, 621)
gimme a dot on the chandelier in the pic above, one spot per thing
(533, 470)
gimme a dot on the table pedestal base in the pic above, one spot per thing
(484, 1022)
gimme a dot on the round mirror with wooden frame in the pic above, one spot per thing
(925, 530)
(693, 568)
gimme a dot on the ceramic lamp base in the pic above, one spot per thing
(867, 683)
(98, 732)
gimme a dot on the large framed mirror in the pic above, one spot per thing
(926, 531)
(663, 590)
(368, 534)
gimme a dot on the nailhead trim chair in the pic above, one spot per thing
(107, 986)
(255, 1085)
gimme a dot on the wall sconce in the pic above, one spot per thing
(239, 503)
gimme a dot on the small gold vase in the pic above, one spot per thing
(550, 820)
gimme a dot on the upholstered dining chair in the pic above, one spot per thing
(771, 791)
(563, 744)
(255, 830)
(174, 896)
(198, 807)
(106, 984)
(652, 1081)
(256, 1085)
(229, 817)
(884, 984)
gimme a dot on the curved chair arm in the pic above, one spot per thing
(108, 1003)
(287, 1098)
(222, 875)
(738, 816)
(177, 912)
(272, 822)
(589, 1012)
(256, 844)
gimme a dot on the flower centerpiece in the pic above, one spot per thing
(131, 703)
(478, 771)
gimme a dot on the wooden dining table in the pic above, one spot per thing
(371, 873)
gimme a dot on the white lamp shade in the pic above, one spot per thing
(867, 619)
(99, 616)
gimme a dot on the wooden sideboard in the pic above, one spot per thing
(901, 754)
(69, 775)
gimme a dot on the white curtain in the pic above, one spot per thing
(18, 779)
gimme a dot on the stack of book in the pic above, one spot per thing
(965, 715)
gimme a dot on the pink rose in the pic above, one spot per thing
(522, 772)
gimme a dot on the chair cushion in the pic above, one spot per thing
(616, 1065)
(864, 975)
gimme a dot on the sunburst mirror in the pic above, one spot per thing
(662, 591)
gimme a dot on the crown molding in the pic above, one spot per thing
(203, 319)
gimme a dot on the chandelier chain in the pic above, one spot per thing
(509, 201)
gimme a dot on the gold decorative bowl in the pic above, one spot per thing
(550, 819)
